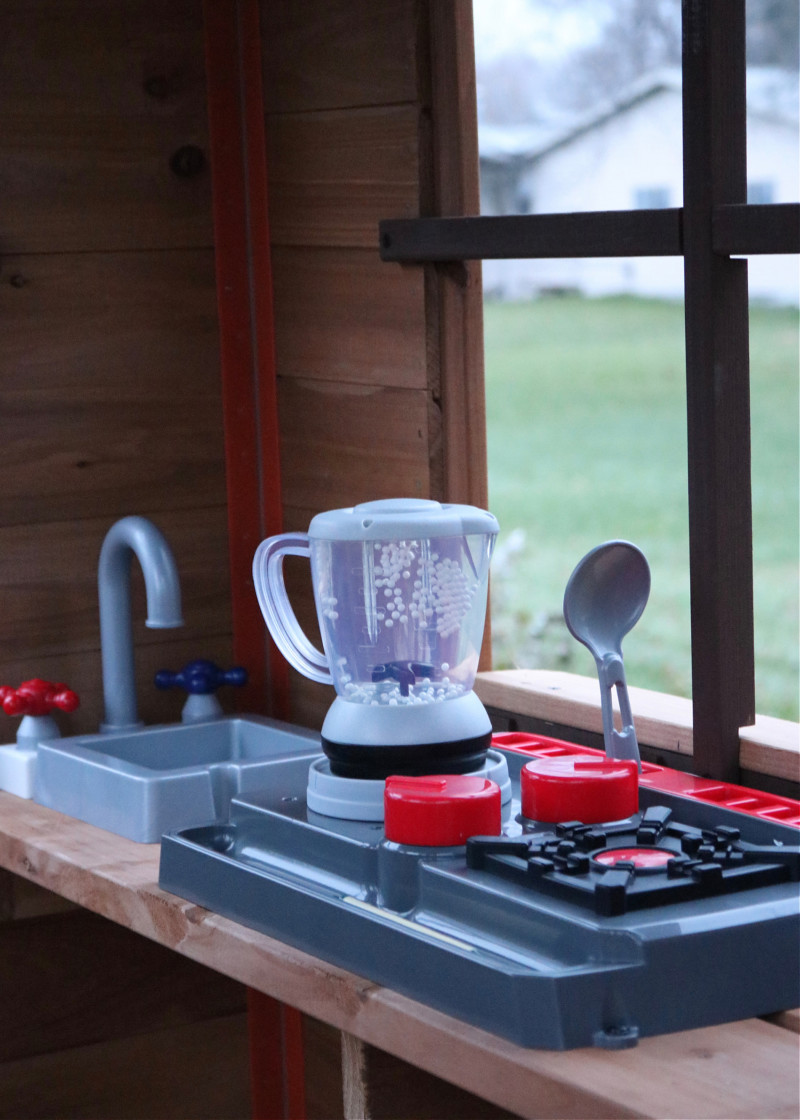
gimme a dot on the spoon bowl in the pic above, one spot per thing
(604, 599)
(606, 596)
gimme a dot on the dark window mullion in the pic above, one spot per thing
(773, 228)
(717, 372)
(604, 233)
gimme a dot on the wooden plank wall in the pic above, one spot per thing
(109, 376)
(109, 368)
(109, 405)
(96, 1021)
(355, 133)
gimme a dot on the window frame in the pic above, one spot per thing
(713, 228)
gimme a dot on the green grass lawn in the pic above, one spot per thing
(587, 442)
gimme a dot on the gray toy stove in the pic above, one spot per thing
(684, 915)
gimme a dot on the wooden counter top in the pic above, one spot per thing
(743, 1069)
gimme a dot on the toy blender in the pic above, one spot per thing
(400, 588)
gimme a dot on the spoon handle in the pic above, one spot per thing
(619, 744)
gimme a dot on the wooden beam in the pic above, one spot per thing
(741, 229)
(459, 291)
(769, 746)
(457, 426)
(371, 1078)
(717, 375)
(623, 233)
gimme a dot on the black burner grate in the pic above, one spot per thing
(647, 861)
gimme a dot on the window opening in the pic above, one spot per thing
(707, 233)
(642, 120)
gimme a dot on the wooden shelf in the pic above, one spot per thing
(741, 1069)
(770, 746)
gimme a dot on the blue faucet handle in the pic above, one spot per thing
(201, 677)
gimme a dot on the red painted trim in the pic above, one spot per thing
(265, 1027)
(244, 299)
(294, 1063)
(277, 1068)
(252, 460)
(263, 309)
(754, 803)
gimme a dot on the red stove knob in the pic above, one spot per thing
(37, 698)
(590, 790)
(440, 810)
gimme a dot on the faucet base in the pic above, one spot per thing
(120, 728)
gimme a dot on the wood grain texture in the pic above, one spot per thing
(310, 701)
(346, 99)
(323, 1070)
(338, 54)
(49, 582)
(574, 701)
(354, 1087)
(197, 1070)
(341, 315)
(458, 287)
(96, 100)
(156, 988)
(100, 326)
(738, 1070)
(50, 621)
(770, 746)
(375, 1084)
(335, 174)
(344, 443)
(19, 898)
(82, 670)
(116, 404)
(457, 430)
(789, 1020)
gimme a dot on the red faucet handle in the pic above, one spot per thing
(37, 698)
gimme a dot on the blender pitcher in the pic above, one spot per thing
(400, 588)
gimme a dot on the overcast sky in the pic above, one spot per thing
(545, 31)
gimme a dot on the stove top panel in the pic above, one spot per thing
(563, 935)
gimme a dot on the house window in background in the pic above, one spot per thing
(760, 193)
(651, 198)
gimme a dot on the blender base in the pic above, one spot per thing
(374, 741)
(360, 799)
(378, 761)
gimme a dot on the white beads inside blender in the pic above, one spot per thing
(415, 601)
(440, 596)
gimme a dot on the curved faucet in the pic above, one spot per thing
(125, 537)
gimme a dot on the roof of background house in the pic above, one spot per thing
(772, 94)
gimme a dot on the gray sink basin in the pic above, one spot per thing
(143, 783)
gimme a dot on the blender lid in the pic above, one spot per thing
(401, 518)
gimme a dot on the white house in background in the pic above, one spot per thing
(629, 155)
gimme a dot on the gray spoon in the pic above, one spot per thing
(603, 600)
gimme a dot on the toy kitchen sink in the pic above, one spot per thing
(681, 913)
(141, 783)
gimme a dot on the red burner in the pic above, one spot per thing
(591, 790)
(440, 810)
(639, 857)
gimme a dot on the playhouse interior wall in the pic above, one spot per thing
(110, 404)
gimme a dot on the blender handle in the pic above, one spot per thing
(277, 610)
